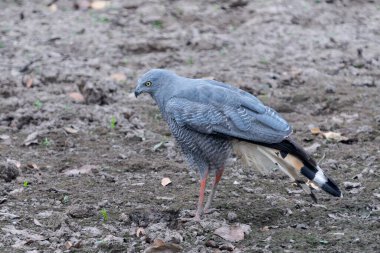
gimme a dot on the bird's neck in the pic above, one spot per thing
(163, 95)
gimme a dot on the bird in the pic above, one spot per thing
(211, 120)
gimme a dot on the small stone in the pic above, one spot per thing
(227, 246)
(9, 171)
(231, 216)
(124, 218)
(81, 211)
(330, 89)
(211, 244)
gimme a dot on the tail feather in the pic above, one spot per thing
(265, 158)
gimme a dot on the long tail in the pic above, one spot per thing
(289, 157)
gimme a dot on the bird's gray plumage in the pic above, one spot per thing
(205, 115)
(209, 119)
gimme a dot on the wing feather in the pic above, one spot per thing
(232, 119)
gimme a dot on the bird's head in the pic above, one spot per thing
(153, 80)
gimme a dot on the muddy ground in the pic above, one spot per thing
(88, 179)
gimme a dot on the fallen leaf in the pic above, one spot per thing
(315, 130)
(37, 222)
(234, 233)
(159, 246)
(77, 97)
(71, 130)
(29, 82)
(118, 77)
(334, 136)
(158, 145)
(333, 216)
(85, 169)
(165, 181)
(98, 5)
(68, 244)
(140, 232)
(32, 166)
(351, 185)
(32, 138)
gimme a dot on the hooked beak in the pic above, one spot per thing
(137, 92)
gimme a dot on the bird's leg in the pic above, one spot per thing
(201, 197)
(218, 177)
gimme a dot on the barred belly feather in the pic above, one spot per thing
(203, 152)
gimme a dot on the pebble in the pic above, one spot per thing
(231, 216)
(81, 211)
(9, 171)
(227, 246)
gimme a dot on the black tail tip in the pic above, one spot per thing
(332, 188)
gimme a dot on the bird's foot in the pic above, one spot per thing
(194, 217)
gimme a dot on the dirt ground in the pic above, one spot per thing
(81, 159)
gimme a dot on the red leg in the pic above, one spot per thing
(218, 177)
(201, 197)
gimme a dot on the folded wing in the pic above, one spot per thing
(219, 110)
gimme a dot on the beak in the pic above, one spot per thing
(137, 92)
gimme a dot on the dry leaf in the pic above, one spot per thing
(159, 246)
(29, 82)
(351, 185)
(77, 97)
(32, 138)
(334, 136)
(37, 222)
(71, 130)
(140, 232)
(315, 130)
(85, 169)
(32, 166)
(98, 5)
(158, 145)
(68, 244)
(165, 181)
(232, 233)
(118, 77)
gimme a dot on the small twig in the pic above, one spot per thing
(26, 67)
(323, 157)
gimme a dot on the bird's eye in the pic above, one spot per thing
(148, 83)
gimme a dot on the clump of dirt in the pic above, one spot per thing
(81, 159)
